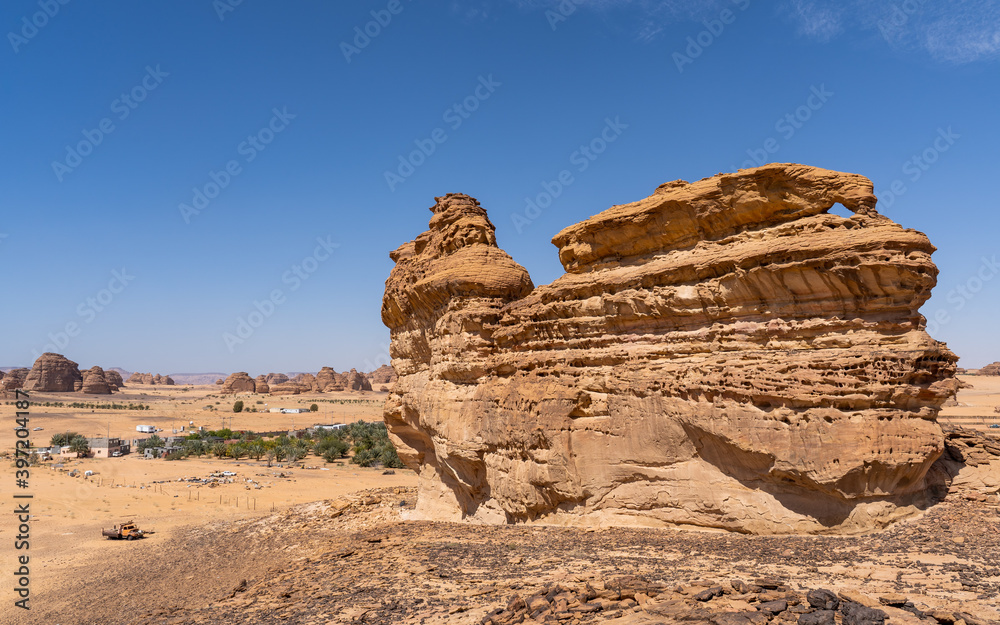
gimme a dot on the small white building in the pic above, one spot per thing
(322, 428)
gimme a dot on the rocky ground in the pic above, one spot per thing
(353, 560)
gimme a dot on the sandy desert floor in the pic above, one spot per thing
(976, 405)
(68, 513)
(327, 549)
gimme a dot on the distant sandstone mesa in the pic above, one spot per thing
(54, 373)
(149, 378)
(724, 353)
(327, 380)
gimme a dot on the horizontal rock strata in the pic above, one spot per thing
(726, 353)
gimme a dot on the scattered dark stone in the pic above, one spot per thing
(821, 617)
(857, 614)
(739, 586)
(769, 584)
(823, 599)
(730, 618)
(709, 594)
(773, 607)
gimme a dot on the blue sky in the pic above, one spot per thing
(199, 186)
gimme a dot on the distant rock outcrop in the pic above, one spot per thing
(95, 383)
(991, 369)
(354, 381)
(328, 380)
(727, 353)
(261, 386)
(306, 381)
(220, 381)
(149, 378)
(53, 373)
(276, 378)
(114, 379)
(14, 379)
(286, 388)
(383, 375)
(239, 382)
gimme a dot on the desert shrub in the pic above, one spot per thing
(174, 455)
(314, 408)
(238, 406)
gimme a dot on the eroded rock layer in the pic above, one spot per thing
(725, 353)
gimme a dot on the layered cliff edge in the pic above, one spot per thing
(725, 353)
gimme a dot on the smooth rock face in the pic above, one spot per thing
(724, 353)
(95, 383)
(53, 373)
(239, 382)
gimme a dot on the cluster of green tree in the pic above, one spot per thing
(77, 442)
(238, 406)
(369, 442)
(78, 404)
(91, 406)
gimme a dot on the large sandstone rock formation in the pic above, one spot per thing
(95, 382)
(14, 379)
(260, 385)
(328, 380)
(239, 382)
(287, 388)
(53, 373)
(276, 378)
(354, 381)
(114, 379)
(725, 353)
(305, 380)
(383, 375)
(991, 369)
(149, 378)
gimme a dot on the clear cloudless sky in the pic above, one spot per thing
(103, 264)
